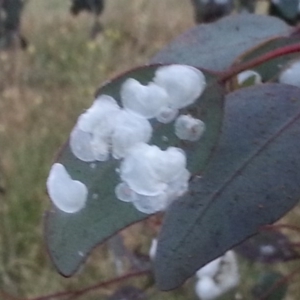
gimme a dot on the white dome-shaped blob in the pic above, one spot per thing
(102, 107)
(244, 76)
(66, 194)
(153, 249)
(228, 276)
(80, 145)
(291, 75)
(147, 169)
(102, 135)
(146, 101)
(179, 186)
(100, 147)
(151, 204)
(124, 192)
(129, 130)
(136, 170)
(189, 128)
(168, 164)
(207, 289)
(167, 114)
(183, 83)
(210, 269)
(157, 177)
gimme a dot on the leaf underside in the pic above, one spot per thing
(252, 180)
(71, 237)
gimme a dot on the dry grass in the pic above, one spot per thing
(42, 91)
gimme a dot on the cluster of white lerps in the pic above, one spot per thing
(217, 277)
(214, 279)
(151, 178)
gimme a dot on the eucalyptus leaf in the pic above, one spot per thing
(70, 237)
(215, 46)
(252, 180)
(270, 69)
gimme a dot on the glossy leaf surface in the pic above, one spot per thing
(70, 237)
(252, 180)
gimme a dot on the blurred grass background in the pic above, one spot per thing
(42, 92)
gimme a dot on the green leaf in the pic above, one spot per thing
(252, 180)
(215, 46)
(270, 70)
(70, 237)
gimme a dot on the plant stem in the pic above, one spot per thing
(94, 287)
(234, 70)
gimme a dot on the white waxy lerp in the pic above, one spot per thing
(80, 145)
(145, 100)
(184, 84)
(99, 112)
(155, 177)
(207, 289)
(291, 75)
(153, 249)
(129, 130)
(210, 269)
(246, 75)
(189, 128)
(67, 194)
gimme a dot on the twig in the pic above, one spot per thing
(75, 294)
(281, 226)
(6, 296)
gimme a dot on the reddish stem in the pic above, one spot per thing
(281, 226)
(93, 287)
(257, 61)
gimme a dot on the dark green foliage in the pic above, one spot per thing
(270, 70)
(252, 180)
(71, 237)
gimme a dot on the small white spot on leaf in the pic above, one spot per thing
(189, 128)
(249, 75)
(167, 114)
(66, 194)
